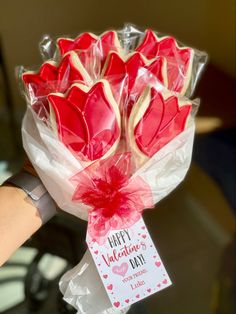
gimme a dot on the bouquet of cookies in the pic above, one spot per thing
(109, 129)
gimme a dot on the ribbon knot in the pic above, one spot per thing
(116, 199)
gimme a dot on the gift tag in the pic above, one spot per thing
(129, 265)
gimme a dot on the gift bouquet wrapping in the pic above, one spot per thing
(109, 128)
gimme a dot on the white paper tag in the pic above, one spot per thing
(129, 265)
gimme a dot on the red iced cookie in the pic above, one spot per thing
(91, 49)
(155, 121)
(55, 78)
(129, 76)
(87, 120)
(179, 59)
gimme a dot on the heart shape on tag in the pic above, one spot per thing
(117, 304)
(120, 270)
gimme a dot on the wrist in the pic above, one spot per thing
(36, 192)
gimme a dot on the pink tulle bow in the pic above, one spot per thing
(117, 199)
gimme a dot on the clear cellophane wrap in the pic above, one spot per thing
(109, 129)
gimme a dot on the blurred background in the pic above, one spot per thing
(194, 227)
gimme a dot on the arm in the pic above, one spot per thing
(25, 205)
(19, 219)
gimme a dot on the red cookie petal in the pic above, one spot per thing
(158, 69)
(70, 123)
(108, 42)
(42, 83)
(170, 111)
(178, 63)
(140, 70)
(179, 60)
(115, 72)
(70, 71)
(173, 129)
(92, 50)
(142, 73)
(129, 78)
(134, 63)
(163, 121)
(147, 128)
(51, 78)
(83, 42)
(149, 45)
(87, 121)
(65, 45)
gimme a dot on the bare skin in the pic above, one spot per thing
(14, 231)
(15, 205)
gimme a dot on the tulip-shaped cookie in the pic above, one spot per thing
(154, 121)
(129, 76)
(53, 78)
(179, 59)
(91, 49)
(86, 120)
